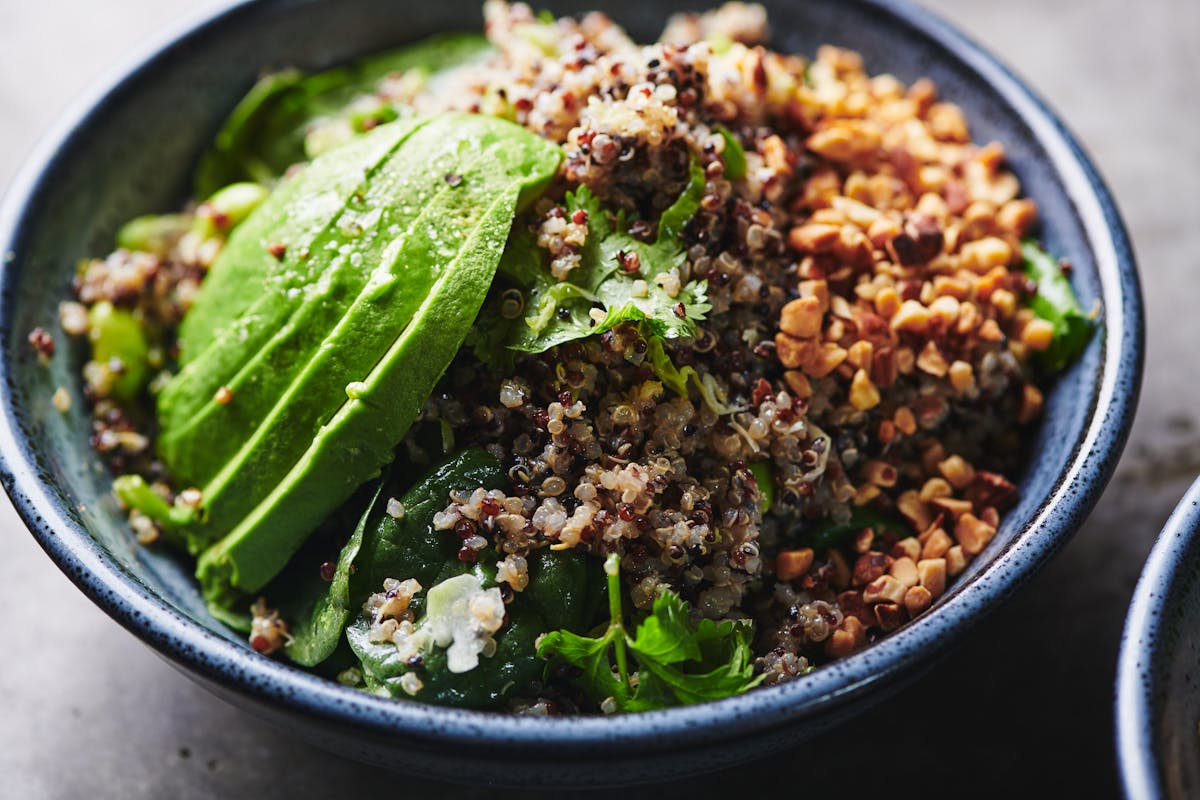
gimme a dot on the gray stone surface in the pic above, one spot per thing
(1024, 707)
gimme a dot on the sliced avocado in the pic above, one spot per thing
(351, 396)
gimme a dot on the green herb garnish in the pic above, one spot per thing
(1056, 302)
(667, 661)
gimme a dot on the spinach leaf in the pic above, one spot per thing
(288, 117)
(678, 662)
(1056, 302)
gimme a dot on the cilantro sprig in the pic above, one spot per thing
(617, 275)
(665, 661)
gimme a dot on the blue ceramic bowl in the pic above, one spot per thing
(129, 151)
(1158, 670)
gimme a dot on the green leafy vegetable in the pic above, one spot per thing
(288, 117)
(677, 662)
(1056, 302)
(556, 312)
(733, 154)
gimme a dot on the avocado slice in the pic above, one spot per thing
(328, 410)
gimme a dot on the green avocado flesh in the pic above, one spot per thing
(329, 317)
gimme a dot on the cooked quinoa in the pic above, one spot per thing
(868, 345)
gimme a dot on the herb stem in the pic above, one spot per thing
(616, 627)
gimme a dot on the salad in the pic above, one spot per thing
(547, 372)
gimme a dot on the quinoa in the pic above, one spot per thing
(867, 347)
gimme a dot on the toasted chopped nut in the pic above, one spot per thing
(791, 564)
(814, 237)
(1038, 334)
(931, 572)
(845, 141)
(973, 533)
(936, 487)
(880, 473)
(890, 616)
(984, 254)
(931, 362)
(859, 354)
(798, 384)
(991, 489)
(851, 635)
(914, 509)
(863, 540)
(956, 470)
(917, 599)
(936, 544)
(866, 493)
(820, 361)
(905, 421)
(887, 302)
(863, 394)
(962, 376)
(990, 331)
(904, 570)
(1016, 216)
(912, 316)
(884, 589)
(818, 289)
(1031, 404)
(870, 567)
(908, 547)
(802, 318)
(947, 286)
(956, 561)
(791, 351)
(952, 507)
(1005, 302)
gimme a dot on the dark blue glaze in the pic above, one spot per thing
(1158, 670)
(129, 150)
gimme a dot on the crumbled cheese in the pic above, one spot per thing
(462, 616)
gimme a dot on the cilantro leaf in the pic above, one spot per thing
(597, 295)
(678, 662)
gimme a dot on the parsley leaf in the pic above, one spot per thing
(677, 662)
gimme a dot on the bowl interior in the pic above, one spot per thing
(132, 153)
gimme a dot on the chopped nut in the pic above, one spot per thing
(820, 361)
(904, 570)
(931, 572)
(952, 506)
(870, 567)
(908, 547)
(802, 318)
(956, 561)
(905, 421)
(917, 599)
(991, 489)
(1031, 404)
(798, 384)
(1038, 334)
(956, 470)
(973, 533)
(984, 254)
(890, 616)
(912, 316)
(880, 473)
(914, 509)
(885, 589)
(814, 238)
(790, 351)
(931, 362)
(936, 544)
(850, 636)
(792, 564)
(863, 394)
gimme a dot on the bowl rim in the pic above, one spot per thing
(1143, 645)
(237, 669)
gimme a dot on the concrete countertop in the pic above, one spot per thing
(1024, 707)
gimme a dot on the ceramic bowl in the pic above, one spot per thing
(129, 150)
(1158, 670)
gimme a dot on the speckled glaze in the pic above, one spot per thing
(129, 150)
(1158, 670)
